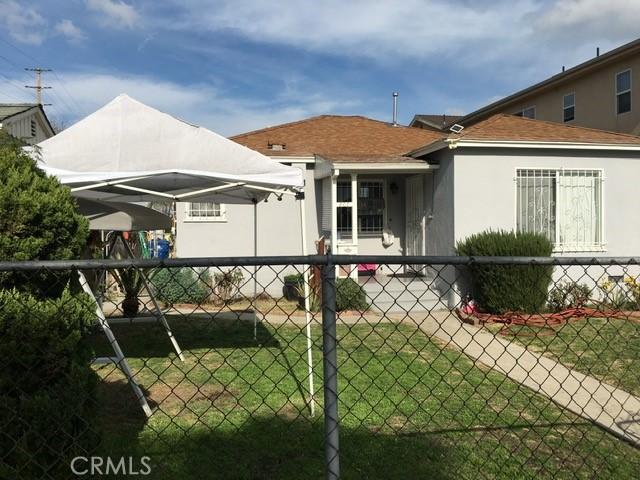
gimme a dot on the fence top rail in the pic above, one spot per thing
(97, 264)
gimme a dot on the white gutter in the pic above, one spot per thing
(378, 166)
(455, 143)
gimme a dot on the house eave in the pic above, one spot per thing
(427, 149)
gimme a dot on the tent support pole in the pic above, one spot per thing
(119, 359)
(307, 313)
(255, 270)
(159, 311)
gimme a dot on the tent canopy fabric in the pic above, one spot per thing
(134, 152)
(122, 217)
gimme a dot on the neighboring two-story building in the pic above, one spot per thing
(26, 121)
(600, 93)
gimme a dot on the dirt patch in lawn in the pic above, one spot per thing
(172, 396)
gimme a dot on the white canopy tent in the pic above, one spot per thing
(123, 217)
(129, 152)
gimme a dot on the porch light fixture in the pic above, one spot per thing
(393, 187)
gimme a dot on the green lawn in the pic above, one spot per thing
(608, 349)
(409, 409)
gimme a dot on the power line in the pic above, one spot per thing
(10, 82)
(75, 109)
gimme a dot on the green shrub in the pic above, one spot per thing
(503, 288)
(350, 295)
(294, 278)
(47, 388)
(38, 221)
(178, 285)
(568, 295)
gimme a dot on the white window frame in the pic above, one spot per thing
(360, 180)
(564, 107)
(617, 93)
(221, 217)
(558, 247)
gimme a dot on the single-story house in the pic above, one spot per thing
(375, 188)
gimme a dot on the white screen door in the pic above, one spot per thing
(415, 220)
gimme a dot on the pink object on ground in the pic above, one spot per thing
(367, 267)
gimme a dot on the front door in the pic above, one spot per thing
(415, 220)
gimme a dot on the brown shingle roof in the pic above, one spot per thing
(334, 135)
(511, 128)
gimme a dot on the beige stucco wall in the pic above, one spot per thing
(595, 100)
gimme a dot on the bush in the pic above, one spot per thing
(568, 295)
(350, 295)
(47, 388)
(503, 288)
(38, 221)
(178, 285)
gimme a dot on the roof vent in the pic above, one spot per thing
(395, 109)
(456, 128)
(276, 146)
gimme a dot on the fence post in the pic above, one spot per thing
(330, 369)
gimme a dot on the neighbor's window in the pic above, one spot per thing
(564, 205)
(370, 206)
(569, 107)
(529, 112)
(206, 212)
(623, 92)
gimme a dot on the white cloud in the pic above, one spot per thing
(118, 13)
(382, 29)
(196, 103)
(24, 24)
(69, 30)
(535, 34)
(583, 20)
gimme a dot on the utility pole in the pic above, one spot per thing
(38, 86)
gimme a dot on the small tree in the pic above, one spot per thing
(38, 219)
(47, 387)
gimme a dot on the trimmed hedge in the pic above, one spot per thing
(178, 285)
(350, 295)
(504, 288)
(47, 387)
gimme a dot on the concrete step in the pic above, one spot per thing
(399, 295)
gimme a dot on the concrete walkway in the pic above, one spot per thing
(613, 409)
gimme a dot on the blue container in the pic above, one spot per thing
(162, 249)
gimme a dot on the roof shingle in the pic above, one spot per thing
(335, 135)
(511, 128)
(10, 109)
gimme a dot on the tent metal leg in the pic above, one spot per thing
(307, 313)
(119, 359)
(255, 270)
(157, 308)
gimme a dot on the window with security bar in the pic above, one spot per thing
(206, 211)
(564, 205)
(370, 206)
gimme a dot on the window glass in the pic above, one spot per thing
(204, 210)
(569, 109)
(623, 81)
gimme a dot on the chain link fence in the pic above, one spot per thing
(321, 366)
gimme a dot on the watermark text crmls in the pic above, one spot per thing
(110, 465)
